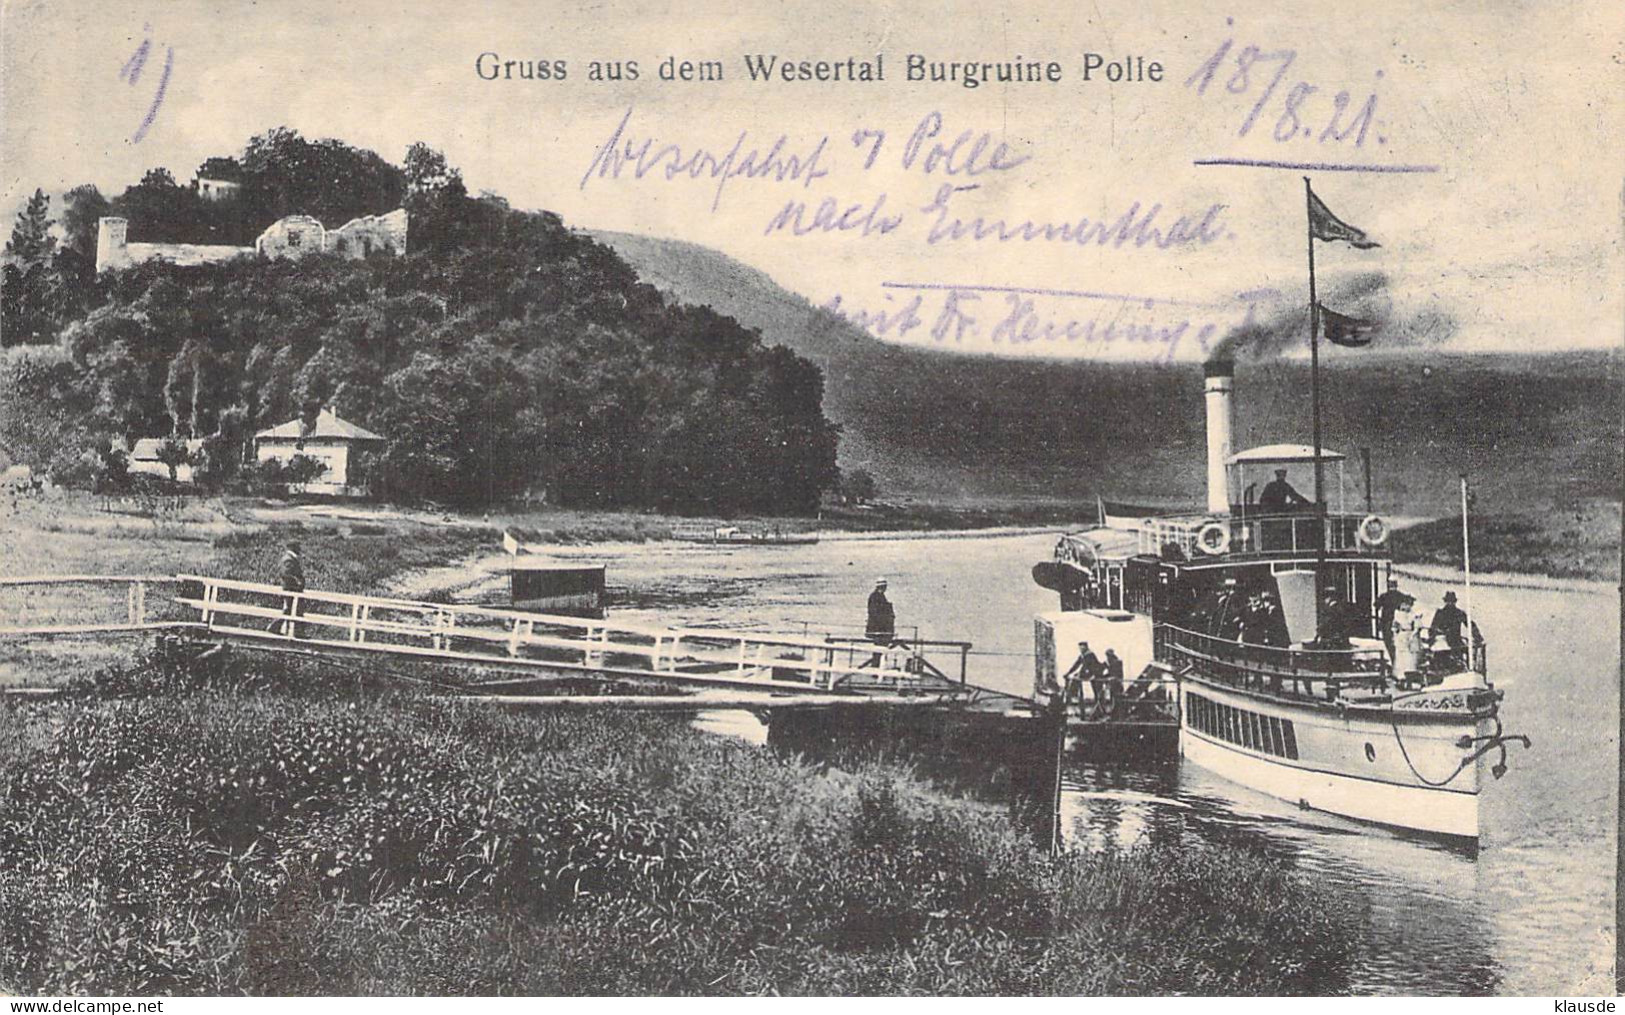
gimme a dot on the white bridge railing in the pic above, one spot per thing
(46, 605)
(515, 639)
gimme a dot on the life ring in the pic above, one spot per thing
(1213, 538)
(1373, 531)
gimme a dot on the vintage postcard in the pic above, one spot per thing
(841, 498)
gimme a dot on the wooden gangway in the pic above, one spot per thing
(507, 647)
(88, 604)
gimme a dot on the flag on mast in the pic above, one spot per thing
(1323, 225)
(1341, 329)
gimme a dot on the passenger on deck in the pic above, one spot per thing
(1228, 615)
(1335, 623)
(1072, 680)
(1409, 644)
(1272, 622)
(882, 625)
(1279, 496)
(1114, 681)
(1451, 622)
(1390, 605)
(1090, 668)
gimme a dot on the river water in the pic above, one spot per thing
(1531, 913)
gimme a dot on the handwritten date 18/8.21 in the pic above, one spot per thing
(1297, 113)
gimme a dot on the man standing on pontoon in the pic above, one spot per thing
(882, 626)
(293, 581)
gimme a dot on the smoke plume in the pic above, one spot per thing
(1280, 326)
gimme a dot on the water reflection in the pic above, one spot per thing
(1417, 897)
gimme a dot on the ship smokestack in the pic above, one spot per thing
(1220, 377)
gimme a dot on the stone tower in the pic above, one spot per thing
(112, 250)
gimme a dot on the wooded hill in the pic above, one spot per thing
(946, 427)
(505, 355)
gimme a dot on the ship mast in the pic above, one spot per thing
(1467, 569)
(1314, 380)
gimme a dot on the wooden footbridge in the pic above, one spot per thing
(508, 651)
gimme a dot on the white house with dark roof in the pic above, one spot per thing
(330, 441)
(144, 458)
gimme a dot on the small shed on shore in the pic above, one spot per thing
(551, 586)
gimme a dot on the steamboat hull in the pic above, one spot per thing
(1395, 768)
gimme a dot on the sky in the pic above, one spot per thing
(1497, 127)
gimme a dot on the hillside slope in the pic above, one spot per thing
(952, 428)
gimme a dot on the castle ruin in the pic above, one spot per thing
(291, 237)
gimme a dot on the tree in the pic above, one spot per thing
(859, 486)
(427, 172)
(303, 469)
(83, 208)
(158, 177)
(113, 468)
(220, 167)
(31, 240)
(161, 211)
(174, 454)
(436, 199)
(285, 174)
(45, 417)
(222, 451)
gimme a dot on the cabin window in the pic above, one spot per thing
(1263, 733)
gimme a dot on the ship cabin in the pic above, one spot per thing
(1165, 566)
(1277, 594)
(1268, 590)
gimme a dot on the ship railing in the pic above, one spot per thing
(1249, 532)
(1152, 698)
(1326, 674)
(1293, 533)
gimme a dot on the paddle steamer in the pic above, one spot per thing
(1269, 620)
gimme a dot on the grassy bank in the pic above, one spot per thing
(1576, 540)
(171, 829)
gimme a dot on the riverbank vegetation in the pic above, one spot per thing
(1580, 539)
(239, 827)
